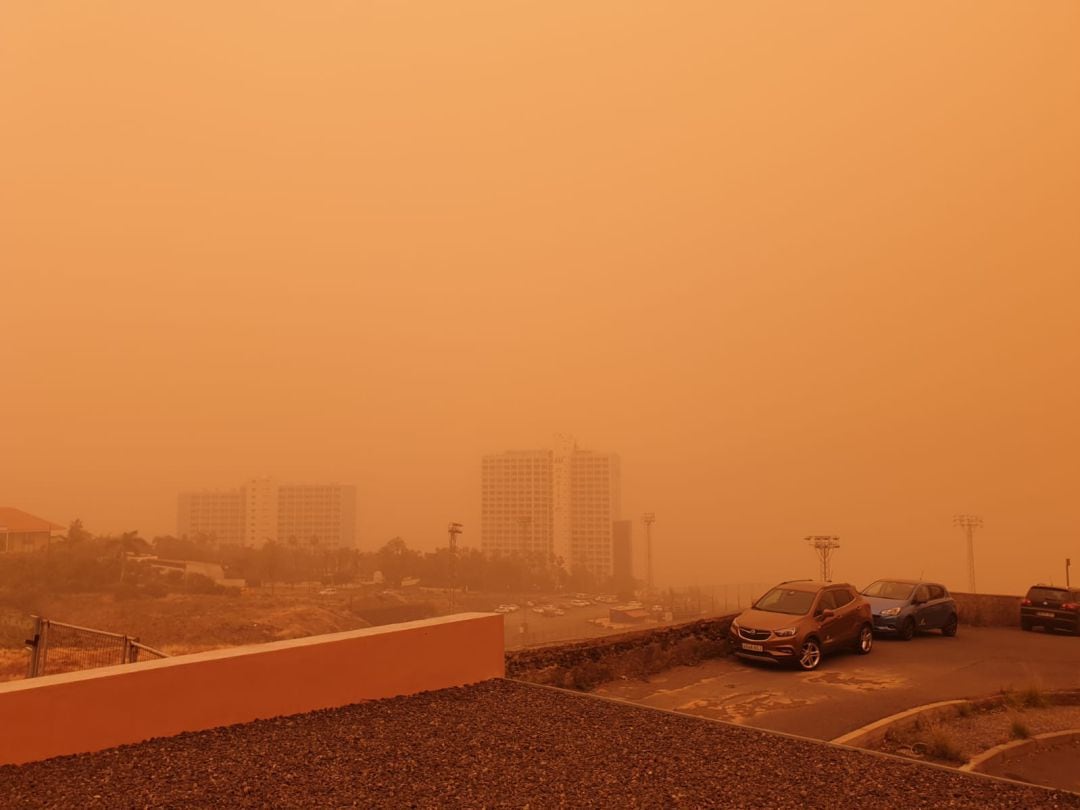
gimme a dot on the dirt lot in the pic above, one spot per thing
(182, 623)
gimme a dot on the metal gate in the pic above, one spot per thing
(59, 647)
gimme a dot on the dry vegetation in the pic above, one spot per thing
(182, 623)
(981, 725)
(639, 664)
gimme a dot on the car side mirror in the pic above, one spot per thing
(827, 613)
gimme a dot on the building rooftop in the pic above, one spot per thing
(500, 744)
(18, 521)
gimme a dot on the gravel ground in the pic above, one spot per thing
(498, 744)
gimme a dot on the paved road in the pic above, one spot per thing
(849, 691)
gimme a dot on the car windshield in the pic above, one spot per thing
(889, 590)
(786, 600)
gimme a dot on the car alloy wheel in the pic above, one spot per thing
(810, 654)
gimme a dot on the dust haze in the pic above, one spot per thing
(807, 270)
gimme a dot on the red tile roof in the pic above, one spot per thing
(16, 520)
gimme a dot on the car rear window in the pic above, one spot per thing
(1048, 595)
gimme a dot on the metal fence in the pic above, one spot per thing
(525, 628)
(59, 647)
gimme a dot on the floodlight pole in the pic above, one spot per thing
(824, 545)
(525, 522)
(969, 523)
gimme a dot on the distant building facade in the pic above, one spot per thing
(22, 532)
(558, 503)
(264, 511)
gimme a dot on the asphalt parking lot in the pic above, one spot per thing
(849, 691)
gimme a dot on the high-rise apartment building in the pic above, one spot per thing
(263, 511)
(558, 503)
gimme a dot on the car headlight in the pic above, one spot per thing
(787, 632)
(890, 611)
(734, 624)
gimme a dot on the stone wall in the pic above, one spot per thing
(988, 610)
(587, 663)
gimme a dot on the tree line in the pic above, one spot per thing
(80, 561)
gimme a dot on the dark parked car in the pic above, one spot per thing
(798, 621)
(1051, 608)
(903, 607)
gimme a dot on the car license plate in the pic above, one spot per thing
(1045, 614)
(753, 647)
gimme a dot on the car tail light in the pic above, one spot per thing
(1026, 602)
(1070, 606)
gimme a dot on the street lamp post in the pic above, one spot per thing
(454, 529)
(649, 518)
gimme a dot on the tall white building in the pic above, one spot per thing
(263, 511)
(558, 503)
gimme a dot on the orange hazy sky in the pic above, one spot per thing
(807, 267)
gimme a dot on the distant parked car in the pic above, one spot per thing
(1051, 608)
(903, 607)
(799, 621)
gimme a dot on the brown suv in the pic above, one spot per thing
(799, 621)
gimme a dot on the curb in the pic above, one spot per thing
(1011, 750)
(875, 732)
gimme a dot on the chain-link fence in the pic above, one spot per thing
(529, 626)
(59, 647)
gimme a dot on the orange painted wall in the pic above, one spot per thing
(101, 708)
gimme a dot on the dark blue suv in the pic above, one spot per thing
(903, 607)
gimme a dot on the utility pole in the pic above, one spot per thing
(1068, 563)
(649, 519)
(969, 523)
(454, 529)
(824, 545)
